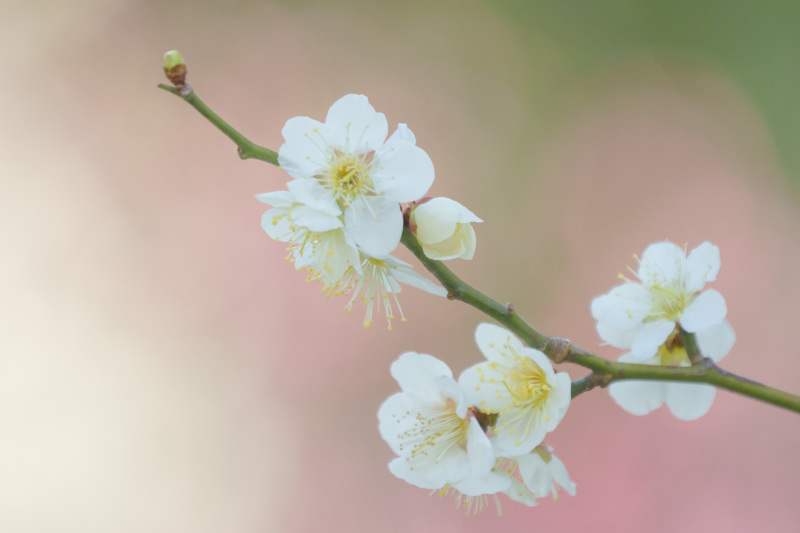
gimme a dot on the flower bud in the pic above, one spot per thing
(172, 59)
(443, 227)
(175, 69)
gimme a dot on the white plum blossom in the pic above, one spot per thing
(536, 475)
(375, 280)
(443, 228)
(519, 385)
(342, 214)
(686, 401)
(445, 438)
(317, 240)
(428, 425)
(640, 316)
(319, 243)
(346, 166)
(543, 473)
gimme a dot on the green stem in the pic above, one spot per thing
(557, 349)
(247, 148)
(691, 347)
(457, 289)
(603, 370)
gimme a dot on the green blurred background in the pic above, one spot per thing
(753, 45)
(163, 368)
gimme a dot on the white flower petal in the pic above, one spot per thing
(451, 467)
(461, 244)
(444, 251)
(409, 277)
(518, 442)
(481, 479)
(561, 395)
(535, 474)
(479, 450)
(391, 426)
(560, 475)
(470, 383)
(542, 477)
(312, 193)
(305, 151)
(376, 227)
(402, 171)
(393, 261)
(277, 224)
(490, 483)
(717, 341)
(492, 339)
(638, 397)
(467, 235)
(415, 371)
(277, 198)
(465, 216)
(540, 359)
(436, 219)
(650, 337)
(485, 396)
(355, 126)
(661, 264)
(625, 306)
(331, 256)
(449, 388)
(617, 337)
(402, 133)
(520, 493)
(689, 401)
(702, 266)
(707, 310)
(314, 219)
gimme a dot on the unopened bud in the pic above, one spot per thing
(175, 69)
(444, 228)
(172, 59)
(411, 206)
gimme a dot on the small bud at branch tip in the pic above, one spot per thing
(175, 70)
(172, 59)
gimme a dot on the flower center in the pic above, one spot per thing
(348, 177)
(676, 356)
(669, 303)
(485, 417)
(436, 430)
(528, 384)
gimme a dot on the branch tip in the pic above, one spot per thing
(703, 369)
(175, 70)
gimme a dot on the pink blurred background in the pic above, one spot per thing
(163, 368)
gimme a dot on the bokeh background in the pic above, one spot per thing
(163, 368)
